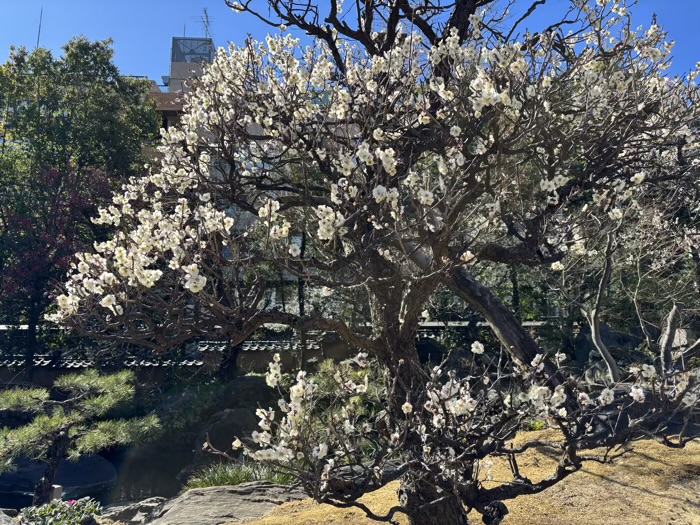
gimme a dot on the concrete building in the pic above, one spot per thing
(188, 57)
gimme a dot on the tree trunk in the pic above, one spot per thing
(515, 293)
(426, 505)
(43, 489)
(667, 338)
(509, 331)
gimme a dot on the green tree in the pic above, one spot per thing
(75, 110)
(74, 423)
(70, 127)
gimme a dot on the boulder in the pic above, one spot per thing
(6, 520)
(230, 504)
(134, 513)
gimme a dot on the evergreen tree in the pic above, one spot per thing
(72, 423)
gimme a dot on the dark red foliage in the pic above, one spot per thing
(47, 224)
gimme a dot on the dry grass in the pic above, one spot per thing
(650, 485)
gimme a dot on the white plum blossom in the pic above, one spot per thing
(538, 362)
(477, 347)
(637, 394)
(467, 257)
(638, 178)
(606, 397)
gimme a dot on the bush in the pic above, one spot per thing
(534, 426)
(235, 474)
(74, 512)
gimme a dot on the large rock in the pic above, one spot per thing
(220, 505)
(6, 520)
(134, 513)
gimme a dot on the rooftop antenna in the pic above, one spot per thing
(41, 18)
(206, 22)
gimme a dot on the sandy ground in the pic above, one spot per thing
(650, 485)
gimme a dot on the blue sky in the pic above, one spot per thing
(142, 30)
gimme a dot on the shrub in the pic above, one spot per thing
(236, 473)
(74, 512)
(534, 425)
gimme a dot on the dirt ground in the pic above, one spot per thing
(650, 485)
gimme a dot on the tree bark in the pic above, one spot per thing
(666, 343)
(515, 287)
(596, 336)
(517, 342)
(426, 505)
(43, 489)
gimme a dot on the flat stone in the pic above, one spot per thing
(229, 504)
(134, 513)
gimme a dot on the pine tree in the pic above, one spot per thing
(73, 422)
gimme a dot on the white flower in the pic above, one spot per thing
(467, 257)
(477, 347)
(638, 178)
(584, 398)
(387, 157)
(236, 444)
(606, 397)
(63, 302)
(648, 371)
(269, 208)
(108, 301)
(294, 250)
(425, 197)
(455, 131)
(559, 396)
(615, 214)
(637, 393)
(558, 266)
(320, 451)
(195, 283)
(361, 359)
(538, 362)
(407, 408)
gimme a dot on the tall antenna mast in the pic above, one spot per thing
(38, 35)
(206, 23)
